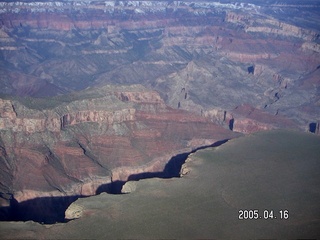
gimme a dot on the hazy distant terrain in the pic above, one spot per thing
(196, 55)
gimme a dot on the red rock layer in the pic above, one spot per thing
(89, 147)
(247, 119)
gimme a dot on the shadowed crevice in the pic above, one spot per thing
(314, 127)
(47, 210)
(171, 170)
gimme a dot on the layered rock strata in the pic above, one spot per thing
(75, 147)
(197, 55)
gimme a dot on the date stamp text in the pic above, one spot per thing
(253, 214)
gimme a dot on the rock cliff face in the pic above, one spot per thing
(48, 152)
(247, 119)
(98, 117)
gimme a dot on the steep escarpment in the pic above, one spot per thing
(70, 146)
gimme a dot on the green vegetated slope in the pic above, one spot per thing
(276, 170)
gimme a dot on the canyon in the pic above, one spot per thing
(78, 146)
(94, 93)
(196, 55)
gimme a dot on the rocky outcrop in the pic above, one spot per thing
(74, 211)
(218, 115)
(234, 17)
(283, 29)
(129, 187)
(249, 57)
(185, 169)
(9, 120)
(50, 121)
(98, 117)
(311, 46)
(247, 119)
(270, 26)
(151, 97)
